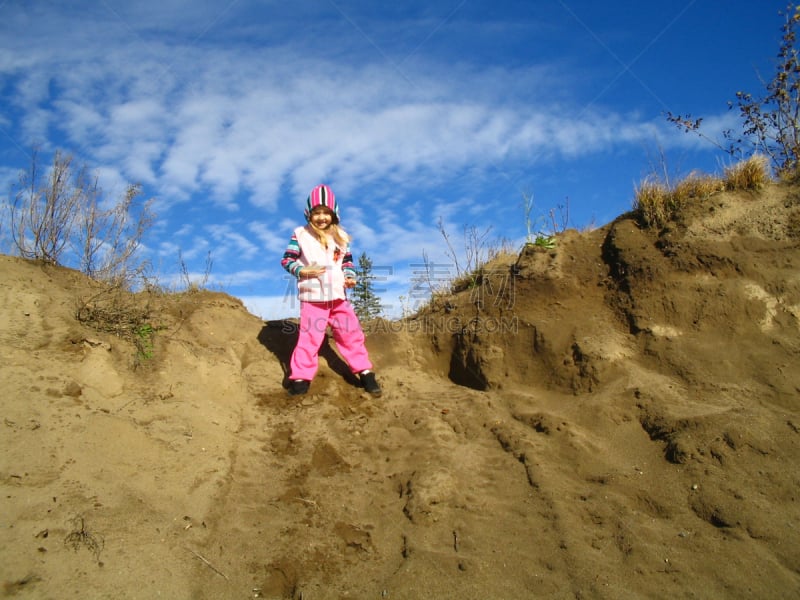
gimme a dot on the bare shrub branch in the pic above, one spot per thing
(43, 213)
(108, 239)
(559, 217)
(192, 284)
(61, 218)
(451, 253)
(770, 123)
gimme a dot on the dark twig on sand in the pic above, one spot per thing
(209, 565)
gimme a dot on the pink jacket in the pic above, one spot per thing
(328, 286)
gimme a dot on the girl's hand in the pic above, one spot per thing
(349, 282)
(313, 270)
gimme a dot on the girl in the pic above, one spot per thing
(319, 256)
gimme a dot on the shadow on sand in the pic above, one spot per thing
(280, 337)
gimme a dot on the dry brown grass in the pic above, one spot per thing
(657, 203)
(750, 174)
(653, 202)
(697, 186)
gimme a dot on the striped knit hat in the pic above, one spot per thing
(322, 195)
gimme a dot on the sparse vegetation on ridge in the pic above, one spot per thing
(656, 202)
(770, 139)
(536, 231)
(770, 123)
(60, 217)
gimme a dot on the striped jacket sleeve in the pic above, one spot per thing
(291, 257)
(347, 265)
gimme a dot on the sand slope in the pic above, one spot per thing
(614, 418)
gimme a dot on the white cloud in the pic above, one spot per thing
(271, 307)
(246, 122)
(229, 241)
(230, 118)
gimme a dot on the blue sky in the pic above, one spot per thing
(229, 112)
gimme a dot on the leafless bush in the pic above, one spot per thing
(770, 124)
(430, 281)
(43, 212)
(476, 252)
(60, 217)
(559, 217)
(108, 240)
(113, 309)
(194, 284)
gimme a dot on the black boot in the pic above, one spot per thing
(298, 387)
(369, 384)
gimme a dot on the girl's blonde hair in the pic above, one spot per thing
(340, 237)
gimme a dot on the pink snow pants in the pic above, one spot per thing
(347, 333)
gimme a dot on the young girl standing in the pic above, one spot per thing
(319, 256)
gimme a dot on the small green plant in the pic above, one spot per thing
(143, 337)
(536, 234)
(547, 242)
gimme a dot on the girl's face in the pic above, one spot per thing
(321, 217)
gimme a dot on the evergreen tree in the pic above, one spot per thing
(365, 302)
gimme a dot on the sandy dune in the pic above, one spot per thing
(615, 418)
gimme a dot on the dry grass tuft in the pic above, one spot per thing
(697, 186)
(654, 203)
(657, 203)
(750, 174)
